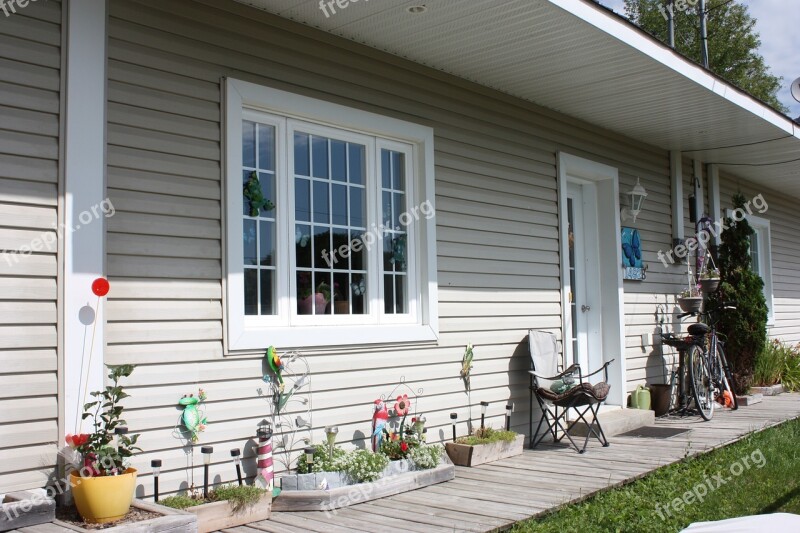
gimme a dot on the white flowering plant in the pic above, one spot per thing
(426, 457)
(360, 465)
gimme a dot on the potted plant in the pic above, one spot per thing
(103, 483)
(484, 446)
(309, 297)
(690, 301)
(709, 280)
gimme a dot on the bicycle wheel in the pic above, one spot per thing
(702, 386)
(727, 376)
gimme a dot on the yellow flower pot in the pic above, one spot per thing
(104, 498)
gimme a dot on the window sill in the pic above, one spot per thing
(328, 336)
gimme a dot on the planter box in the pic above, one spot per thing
(466, 455)
(328, 500)
(335, 480)
(26, 508)
(171, 521)
(220, 515)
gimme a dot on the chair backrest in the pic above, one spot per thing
(544, 352)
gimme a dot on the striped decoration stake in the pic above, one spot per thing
(266, 471)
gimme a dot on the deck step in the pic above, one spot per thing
(619, 421)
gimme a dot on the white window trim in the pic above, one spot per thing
(242, 334)
(761, 225)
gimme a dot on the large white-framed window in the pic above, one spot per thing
(761, 259)
(330, 228)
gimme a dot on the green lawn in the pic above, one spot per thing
(762, 474)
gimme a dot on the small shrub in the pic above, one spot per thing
(360, 465)
(486, 436)
(426, 457)
(180, 501)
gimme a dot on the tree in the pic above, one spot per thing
(732, 41)
(745, 328)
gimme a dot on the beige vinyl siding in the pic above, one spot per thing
(30, 80)
(497, 225)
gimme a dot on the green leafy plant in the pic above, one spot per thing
(487, 435)
(777, 363)
(689, 293)
(711, 273)
(360, 465)
(238, 496)
(746, 326)
(98, 456)
(180, 501)
(426, 457)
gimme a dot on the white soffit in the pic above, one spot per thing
(580, 59)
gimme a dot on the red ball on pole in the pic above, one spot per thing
(100, 286)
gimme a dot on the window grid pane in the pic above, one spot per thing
(395, 236)
(333, 199)
(259, 212)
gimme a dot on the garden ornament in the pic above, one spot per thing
(193, 419)
(379, 420)
(466, 366)
(252, 191)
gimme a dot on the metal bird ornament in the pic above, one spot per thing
(466, 366)
(252, 191)
(193, 419)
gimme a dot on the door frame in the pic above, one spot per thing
(606, 179)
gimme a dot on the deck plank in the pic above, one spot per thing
(494, 496)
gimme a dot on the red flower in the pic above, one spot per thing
(404, 446)
(76, 441)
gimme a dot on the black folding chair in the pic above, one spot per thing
(571, 392)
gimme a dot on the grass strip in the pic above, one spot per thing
(757, 475)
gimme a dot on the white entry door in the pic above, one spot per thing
(582, 285)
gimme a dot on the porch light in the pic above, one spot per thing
(454, 417)
(310, 456)
(206, 451)
(237, 460)
(484, 405)
(637, 196)
(155, 464)
(330, 435)
(509, 410)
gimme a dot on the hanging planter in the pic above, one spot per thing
(690, 304)
(709, 285)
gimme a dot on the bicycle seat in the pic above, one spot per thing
(698, 329)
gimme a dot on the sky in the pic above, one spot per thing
(776, 22)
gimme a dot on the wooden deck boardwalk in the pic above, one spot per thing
(494, 496)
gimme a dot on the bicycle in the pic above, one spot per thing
(702, 360)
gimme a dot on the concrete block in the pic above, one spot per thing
(772, 390)
(26, 508)
(288, 483)
(619, 421)
(750, 399)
